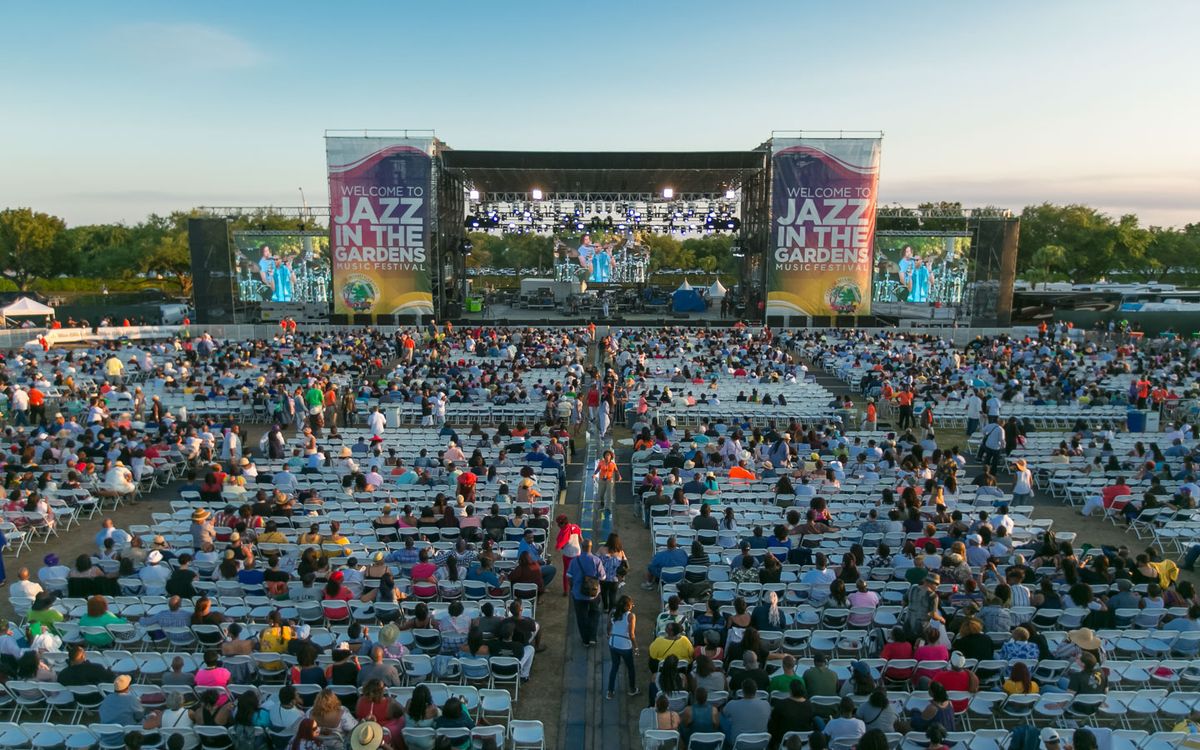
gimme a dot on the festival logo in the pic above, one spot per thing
(359, 293)
(845, 296)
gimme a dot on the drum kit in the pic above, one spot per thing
(627, 263)
(311, 282)
(947, 289)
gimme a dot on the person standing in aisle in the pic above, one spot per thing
(622, 645)
(586, 574)
(568, 543)
(607, 475)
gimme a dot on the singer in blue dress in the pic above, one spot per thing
(283, 281)
(922, 280)
(602, 265)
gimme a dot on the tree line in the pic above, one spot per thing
(1058, 242)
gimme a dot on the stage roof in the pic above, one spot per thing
(604, 171)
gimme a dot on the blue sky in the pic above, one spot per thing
(113, 110)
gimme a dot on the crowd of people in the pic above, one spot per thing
(287, 621)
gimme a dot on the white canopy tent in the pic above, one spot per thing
(716, 291)
(684, 287)
(25, 307)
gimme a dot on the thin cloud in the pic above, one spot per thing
(191, 45)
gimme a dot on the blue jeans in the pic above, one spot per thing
(619, 655)
(1189, 560)
(972, 425)
(548, 573)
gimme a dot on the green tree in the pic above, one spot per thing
(1047, 264)
(164, 249)
(1089, 238)
(1171, 253)
(33, 245)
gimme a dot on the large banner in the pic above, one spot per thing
(822, 225)
(380, 190)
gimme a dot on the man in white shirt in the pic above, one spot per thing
(154, 575)
(24, 588)
(377, 421)
(974, 410)
(20, 406)
(993, 408)
(992, 446)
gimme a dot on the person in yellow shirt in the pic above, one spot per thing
(671, 643)
(272, 535)
(1020, 682)
(1190, 728)
(1168, 571)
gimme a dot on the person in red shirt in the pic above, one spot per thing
(37, 406)
(1143, 392)
(1107, 496)
(958, 679)
(741, 472)
(904, 399)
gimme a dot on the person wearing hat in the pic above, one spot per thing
(203, 529)
(957, 678)
(125, 709)
(368, 735)
(1079, 642)
(154, 575)
(921, 604)
(53, 571)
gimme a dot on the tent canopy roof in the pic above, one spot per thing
(25, 306)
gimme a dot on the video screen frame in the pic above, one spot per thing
(925, 268)
(281, 266)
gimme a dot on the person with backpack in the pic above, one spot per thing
(586, 573)
(248, 729)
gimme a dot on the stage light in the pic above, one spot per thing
(668, 193)
(466, 246)
(730, 195)
(537, 194)
(733, 225)
(474, 195)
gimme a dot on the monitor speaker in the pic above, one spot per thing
(362, 319)
(339, 319)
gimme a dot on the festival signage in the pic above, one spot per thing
(822, 225)
(380, 191)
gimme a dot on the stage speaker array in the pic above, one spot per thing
(212, 269)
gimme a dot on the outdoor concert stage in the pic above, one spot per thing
(810, 246)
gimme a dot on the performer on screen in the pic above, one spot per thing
(266, 269)
(586, 251)
(922, 281)
(283, 281)
(602, 265)
(906, 266)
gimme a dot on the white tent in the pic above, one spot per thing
(716, 291)
(26, 307)
(684, 287)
